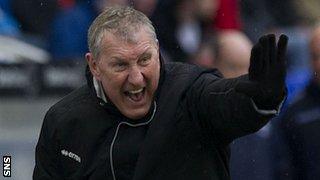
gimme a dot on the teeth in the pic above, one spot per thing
(136, 91)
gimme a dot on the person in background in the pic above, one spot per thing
(67, 35)
(250, 155)
(207, 54)
(34, 17)
(68, 32)
(299, 127)
(183, 26)
(8, 25)
(227, 15)
(228, 51)
(233, 54)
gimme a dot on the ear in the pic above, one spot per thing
(157, 44)
(93, 65)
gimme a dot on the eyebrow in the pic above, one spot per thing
(115, 60)
(146, 53)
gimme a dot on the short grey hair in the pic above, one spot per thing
(121, 21)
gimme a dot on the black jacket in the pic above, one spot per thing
(300, 126)
(195, 116)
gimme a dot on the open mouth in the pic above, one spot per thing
(135, 95)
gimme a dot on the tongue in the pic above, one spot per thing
(136, 97)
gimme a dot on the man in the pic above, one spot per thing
(233, 53)
(139, 118)
(300, 126)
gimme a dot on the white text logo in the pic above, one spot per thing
(6, 166)
(71, 155)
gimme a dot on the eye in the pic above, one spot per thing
(145, 60)
(119, 66)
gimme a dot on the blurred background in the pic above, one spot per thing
(42, 47)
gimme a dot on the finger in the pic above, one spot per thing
(272, 49)
(250, 89)
(265, 54)
(255, 62)
(282, 48)
(281, 53)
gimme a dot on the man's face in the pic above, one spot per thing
(129, 72)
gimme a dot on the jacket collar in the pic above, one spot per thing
(99, 90)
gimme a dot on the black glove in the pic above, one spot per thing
(267, 72)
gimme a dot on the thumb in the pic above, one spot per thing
(248, 88)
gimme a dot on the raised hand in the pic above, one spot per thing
(267, 71)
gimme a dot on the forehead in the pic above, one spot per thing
(140, 40)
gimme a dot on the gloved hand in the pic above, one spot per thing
(267, 71)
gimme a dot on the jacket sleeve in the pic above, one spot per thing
(46, 163)
(224, 114)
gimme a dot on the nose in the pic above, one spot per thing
(136, 77)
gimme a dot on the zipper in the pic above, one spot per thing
(116, 134)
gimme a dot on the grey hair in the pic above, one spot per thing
(120, 21)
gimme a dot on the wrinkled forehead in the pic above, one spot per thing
(130, 33)
(127, 36)
(138, 43)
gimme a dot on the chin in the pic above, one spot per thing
(137, 114)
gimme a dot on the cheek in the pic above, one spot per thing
(152, 74)
(113, 81)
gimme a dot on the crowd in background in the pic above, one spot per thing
(214, 34)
